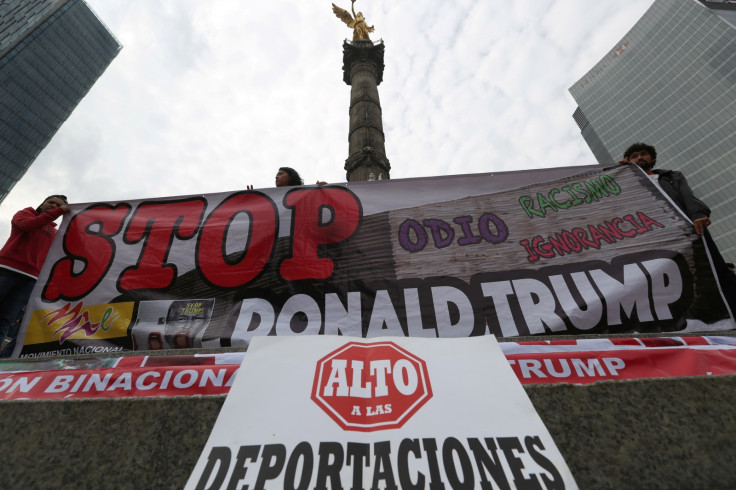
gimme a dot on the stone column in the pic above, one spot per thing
(363, 71)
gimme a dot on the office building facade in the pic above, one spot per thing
(51, 53)
(671, 82)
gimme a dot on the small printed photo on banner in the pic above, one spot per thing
(177, 324)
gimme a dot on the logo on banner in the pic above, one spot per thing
(371, 386)
(79, 322)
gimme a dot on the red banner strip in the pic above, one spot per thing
(118, 382)
(580, 361)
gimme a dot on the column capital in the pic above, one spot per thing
(362, 50)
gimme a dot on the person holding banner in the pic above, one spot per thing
(287, 176)
(32, 232)
(675, 185)
(672, 182)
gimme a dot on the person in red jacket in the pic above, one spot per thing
(31, 234)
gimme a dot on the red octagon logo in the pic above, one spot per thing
(371, 386)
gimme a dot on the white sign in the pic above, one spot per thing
(340, 412)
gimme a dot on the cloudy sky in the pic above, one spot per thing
(210, 96)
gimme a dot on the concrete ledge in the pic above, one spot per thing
(656, 433)
(104, 444)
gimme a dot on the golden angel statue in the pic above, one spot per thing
(360, 28)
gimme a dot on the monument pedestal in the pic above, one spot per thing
(649, 433)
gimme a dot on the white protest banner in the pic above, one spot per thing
(571, 251)
(339, 412)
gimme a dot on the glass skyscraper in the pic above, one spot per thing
(51, 53)
(671, 82)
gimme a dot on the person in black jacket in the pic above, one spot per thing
(675, 185)
(672, 182)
